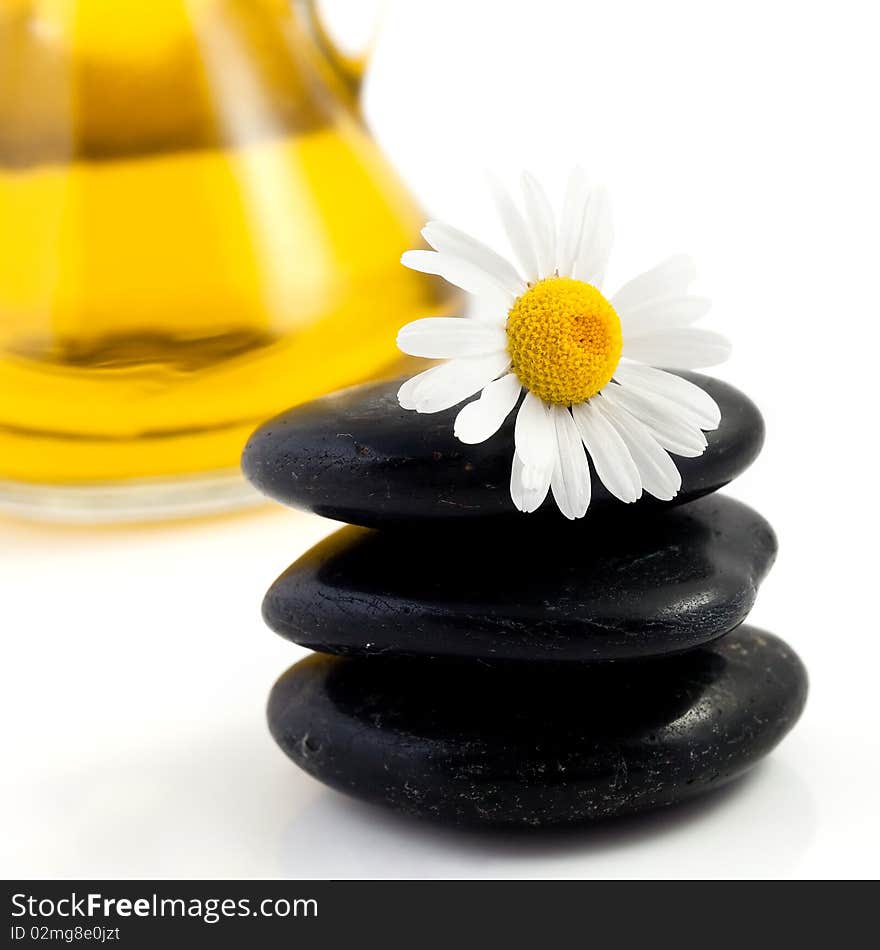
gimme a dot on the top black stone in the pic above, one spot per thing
(357, 456)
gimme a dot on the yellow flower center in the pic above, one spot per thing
(564, 340)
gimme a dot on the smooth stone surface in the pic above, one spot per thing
(669, 583)
(469, 744)
(357, 457)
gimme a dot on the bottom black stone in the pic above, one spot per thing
(495, 745)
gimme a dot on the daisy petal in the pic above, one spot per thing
(671, 278)
(682, 392)
(536, 479)
(686, 348)
(611, 458)
(458, 272)
(454, 381)
(483, 310)
(483, 417)
(517, 232)
(539, 215)
(449, 240)
(535, 435)
(447, 337)
(571, 474)
(657, 471)
(663, 419)
(571, 223)
(668, 313)
(407, 390)
(531, 498)
(596, 241)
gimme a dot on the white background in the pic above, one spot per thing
(135, 663)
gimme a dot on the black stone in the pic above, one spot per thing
(357, 457)
(503, 745)
(661, 585)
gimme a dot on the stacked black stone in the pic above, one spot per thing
(481, 666)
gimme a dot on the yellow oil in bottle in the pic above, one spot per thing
(195, 232)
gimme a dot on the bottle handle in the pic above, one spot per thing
(348, 69)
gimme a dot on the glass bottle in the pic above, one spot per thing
(196, 231)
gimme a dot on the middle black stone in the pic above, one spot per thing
(662, 585)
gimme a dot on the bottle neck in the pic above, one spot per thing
(104, 79)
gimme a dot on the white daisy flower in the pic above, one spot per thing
(586, 361)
